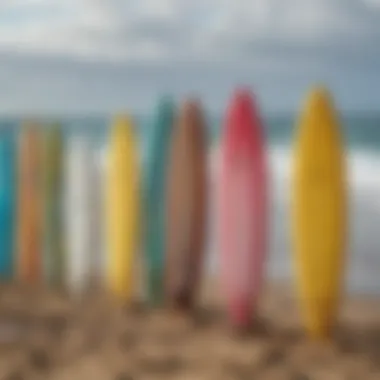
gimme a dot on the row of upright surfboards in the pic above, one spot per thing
(166, 209)
(48, 225)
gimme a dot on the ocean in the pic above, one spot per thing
(361, 133)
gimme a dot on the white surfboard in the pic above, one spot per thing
(79, 225)
(98, 218)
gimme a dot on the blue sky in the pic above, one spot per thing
(86, 56)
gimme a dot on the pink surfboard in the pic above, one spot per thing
(243, 208)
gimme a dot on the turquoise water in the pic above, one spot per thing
(360, 131)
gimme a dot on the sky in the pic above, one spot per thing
(105, 56)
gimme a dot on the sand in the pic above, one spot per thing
(44, 335)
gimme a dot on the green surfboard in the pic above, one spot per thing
(52, 206)
(156, 168)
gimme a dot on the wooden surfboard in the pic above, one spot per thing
(78, 216)
(30, 219)
(155, 198)
(122, 208)
(243, 208)
(52, 206)
(319, 212)
(7, 203)
(186, 206)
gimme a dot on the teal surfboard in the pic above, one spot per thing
(52, 206)
(7, 203)
(156, 168)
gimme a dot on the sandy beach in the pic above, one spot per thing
(47, 336)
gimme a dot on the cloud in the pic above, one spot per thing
(99, 55)
(181, 29)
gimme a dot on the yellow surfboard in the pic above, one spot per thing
(122, 208)
(319, 212)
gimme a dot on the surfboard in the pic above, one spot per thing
(97, 220)
(52, 206)
(99, 154)
(122, 208)
(79, 232)
(243, 208)
(186, 206)
(7, 203)
(319, 212)
(30, 219)
(155, 198)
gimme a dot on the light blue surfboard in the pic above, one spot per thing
(7, 203)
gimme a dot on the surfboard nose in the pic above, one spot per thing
(122, 122)
(191, 113)
(319, 101)
(242, 111)
(243, 99)
(191, 104)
